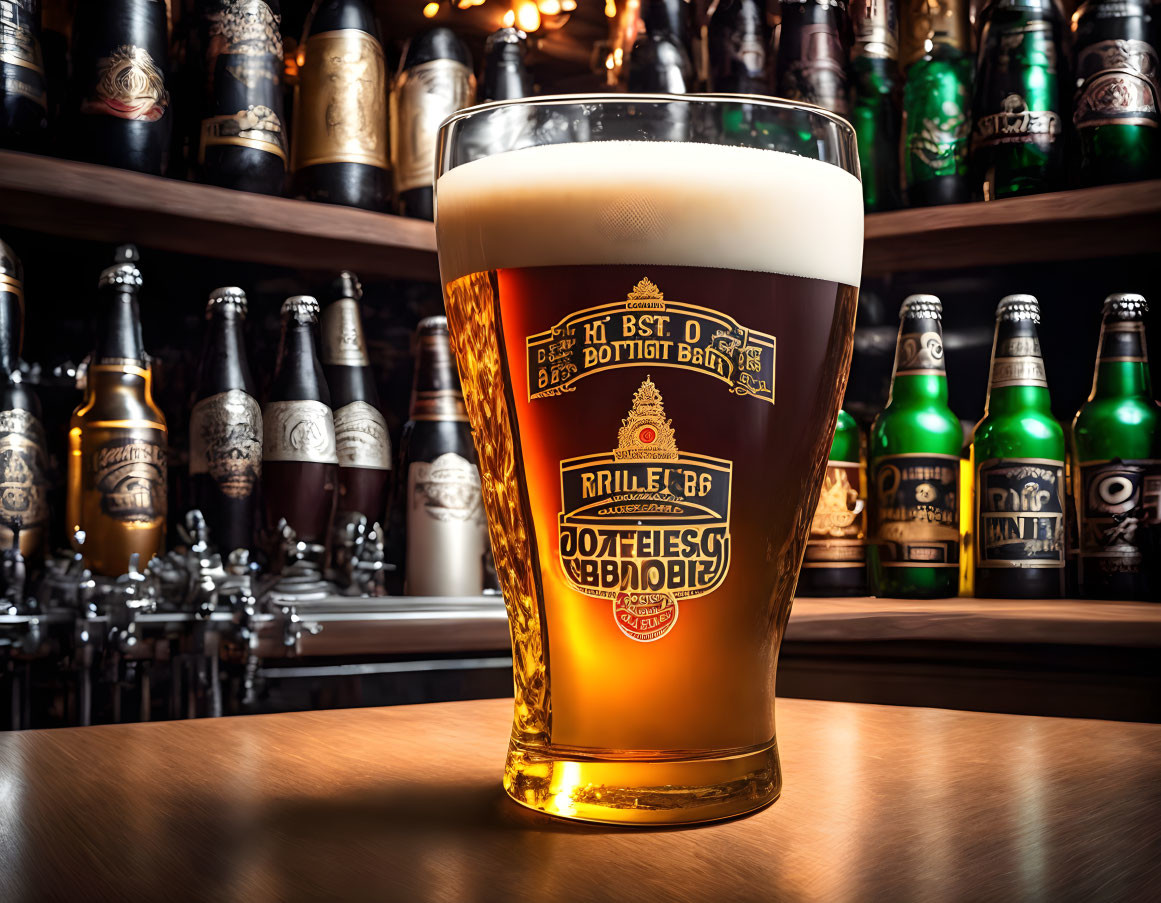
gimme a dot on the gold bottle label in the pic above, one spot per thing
(225, 439)
(915, 515)
(20, 49)
(23, 474)
(342, 337)
(130, 85)
(256, 127)
(341, 107)
(298, 430)
(422, 98)
(130, 473)
(837, 531)
(361, 438)
(446, 530)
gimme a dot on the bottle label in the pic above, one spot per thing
(1017, 362)
(1120, 84)
(129, 85)
(1025, 60)
(361, 437)
(919, 354)
(1119, 501)
(225, 441)
(645, 525)
(299, 430)
(647, 330)
(446, 530)
(423, 97)
(1123, 341)
(837, 534)
(915, 518)
(936, 125)
(20, 56)
(130, 473)
(342, 335)
(817, 72)
(23, 474)
(341, 115)
(1020, 513)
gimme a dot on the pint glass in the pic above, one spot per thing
(652, 302)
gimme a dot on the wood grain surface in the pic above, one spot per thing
(404, 804)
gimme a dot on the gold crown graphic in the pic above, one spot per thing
(646, 291)
(646, 433)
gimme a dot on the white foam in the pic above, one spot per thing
(635, 202)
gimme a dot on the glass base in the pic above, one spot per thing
(640, 790)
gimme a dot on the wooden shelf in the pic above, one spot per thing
(100, 203)
(1066, 225)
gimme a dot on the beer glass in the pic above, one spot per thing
(652, 302)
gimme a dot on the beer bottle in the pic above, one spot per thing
(242, 141)
(1018, 454)
(118, 471)
(914, 462)
(23, 460)
(121, 113)
(876, 113)
(739, 39)
(1116, 468)
(23, 86)
(339, 151)
(1118, 78)
(225, 428)
(812, 54)
(438, 480)
(937, 86)
(505, 75)
(1017, 144)
(660, 61)
(299, 461)
(361, 440)
(435, 79)
(836, 554)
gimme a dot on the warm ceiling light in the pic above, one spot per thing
(611, 9)
(528, 16)
(549, 7)
(509, 19)
(430, 10)
(568, 5)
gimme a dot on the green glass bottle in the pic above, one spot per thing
(1116, 468)
(1018, 461)
(914, 461)
(836, 553)
(1118, 86)
(876, 113)
(937, 68)
(1017, 144)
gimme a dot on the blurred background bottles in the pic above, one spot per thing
(876, 112)
(118, 440)
(505, 75)
(937, 89)
(812, 54)
(914, 466)
(23, 81)
(225, 430)
(661, 60)
(1118, 91)
(1018, 460)
(1018, 138)
(340, 109)
(739, 47)
(1116, 466)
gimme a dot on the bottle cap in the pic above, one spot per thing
(1013, 308)
(227, 294)
(504, 36)
(10, 265)
(430, 325)
(921, 307)
(1125, 306)
(124, 269)
(301, 308)
(346, 285)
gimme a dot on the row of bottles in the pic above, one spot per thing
(314, 457)
(1053, 509)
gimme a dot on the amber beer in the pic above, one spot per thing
(653, 384)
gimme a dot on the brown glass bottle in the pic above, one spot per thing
(23, 470)
(225, 429)
(299, 462)
(117, 471)
(361, 440)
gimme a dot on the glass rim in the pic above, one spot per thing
(548, 100)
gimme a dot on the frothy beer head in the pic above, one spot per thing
(651, 202)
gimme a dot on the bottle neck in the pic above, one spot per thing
(1017, 380)
(505, 77)
(119, 335)
(1122, 361)
(223, 365)
(11, 324)
(298, 374)
(436, 393)
(919, 376)
(344, 354)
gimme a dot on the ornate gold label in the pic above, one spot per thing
(257, 126)
(837, 534)
(645, 329)
(23, 480)
(129, 86)
(341, 104)
(130, 473)
(915, 515)
(1016, 361)
(645, 525)
(225, 441)
(422, 98)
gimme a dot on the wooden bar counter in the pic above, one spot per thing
(879, 803)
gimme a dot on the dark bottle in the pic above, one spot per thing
(56, 24)
(937, 89)
(438, 501)
(876, 113)
(1118, 89)
(434, 80)
(120, 109)
(361, 439)
(225, 427)
(914, 466)
(1018, 457)
(1116, 466)
(299, 462)
(505, 75)
(340, 109)
(23, 84)
(1017, 144)
(118, 441)
(23, 461)
(660, 60)
(242, 142)
(812, 54)
(739, 42)
(836, 554)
